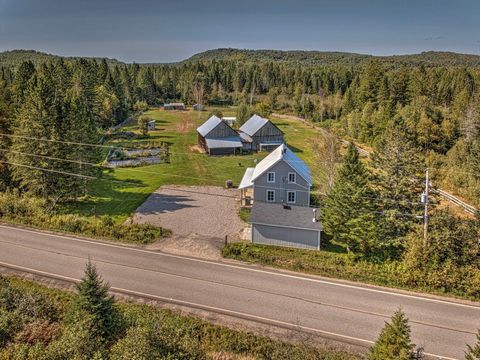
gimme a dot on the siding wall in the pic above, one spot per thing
(268, 132)
(221, 130)
(281, 170)
(288, 237)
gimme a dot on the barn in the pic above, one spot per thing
(216, 137)
(285, 225)
(260, 134)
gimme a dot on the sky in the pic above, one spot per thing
(167, 31)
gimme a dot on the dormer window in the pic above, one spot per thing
(292, 177)
(270, 177)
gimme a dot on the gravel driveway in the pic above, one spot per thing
(204, 210)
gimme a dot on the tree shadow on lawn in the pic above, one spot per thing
(294, 148)
(164, 203)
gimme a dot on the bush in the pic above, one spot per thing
(446, 278)
(140, 106)
(32, 211)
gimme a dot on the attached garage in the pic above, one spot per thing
(284, 225)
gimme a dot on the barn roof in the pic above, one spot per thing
(245, 137)
(283, 153)
(275, 214)
(225, 142)
(253, 124)
(209, 125)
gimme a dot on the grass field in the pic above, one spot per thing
(187, 166)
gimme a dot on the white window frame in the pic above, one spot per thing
(294, 196)
(272, 192)
(294, 178)
(268, 177)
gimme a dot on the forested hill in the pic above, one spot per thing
(307, 58)
(430, 58)
(16, 57)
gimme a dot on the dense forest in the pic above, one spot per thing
(436, 101)
(412, 116)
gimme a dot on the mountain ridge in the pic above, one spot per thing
(303, 57)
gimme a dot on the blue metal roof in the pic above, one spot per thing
(209, 125)
(253, 124)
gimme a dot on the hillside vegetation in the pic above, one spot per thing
(16, 57)
(429, 58)
(41, 323)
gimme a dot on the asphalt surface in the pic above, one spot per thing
(352, 313)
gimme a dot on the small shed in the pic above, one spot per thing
(285, 225)
(174, 106)
(151, 125)
(198, 107)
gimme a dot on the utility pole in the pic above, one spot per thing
(425, 203)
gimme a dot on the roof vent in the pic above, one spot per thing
(287, 207)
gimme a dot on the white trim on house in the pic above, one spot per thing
(294, 196)
(269, 191)
(294, 177)
(268, 177)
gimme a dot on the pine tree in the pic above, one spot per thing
(348, 211)
(22, 77)
(93, 299)
(473, 352)
(394, 342)
(399, 181)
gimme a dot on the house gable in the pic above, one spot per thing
(268, 129)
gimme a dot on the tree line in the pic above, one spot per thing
(437, 105)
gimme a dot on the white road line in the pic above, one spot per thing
(290, 276)
(212, 308)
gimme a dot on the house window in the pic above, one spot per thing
(271, 195)
(270, 177)
(292, 177)
(291, 197)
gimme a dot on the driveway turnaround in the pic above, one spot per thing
(205, 210)
(345, 312)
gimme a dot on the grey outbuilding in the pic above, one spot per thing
(285, 225)
(216, 137)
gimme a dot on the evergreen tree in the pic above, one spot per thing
(394, 342)
(93, 299)
(22, 77)
(348, 212)
(399, 182)
(473, 352)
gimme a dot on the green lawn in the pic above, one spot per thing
(186, 167)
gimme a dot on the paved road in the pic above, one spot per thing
(340, 310)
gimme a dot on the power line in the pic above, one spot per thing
(126, 147)
(190, 177)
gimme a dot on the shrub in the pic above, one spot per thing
(394, 342)
(33, 211)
